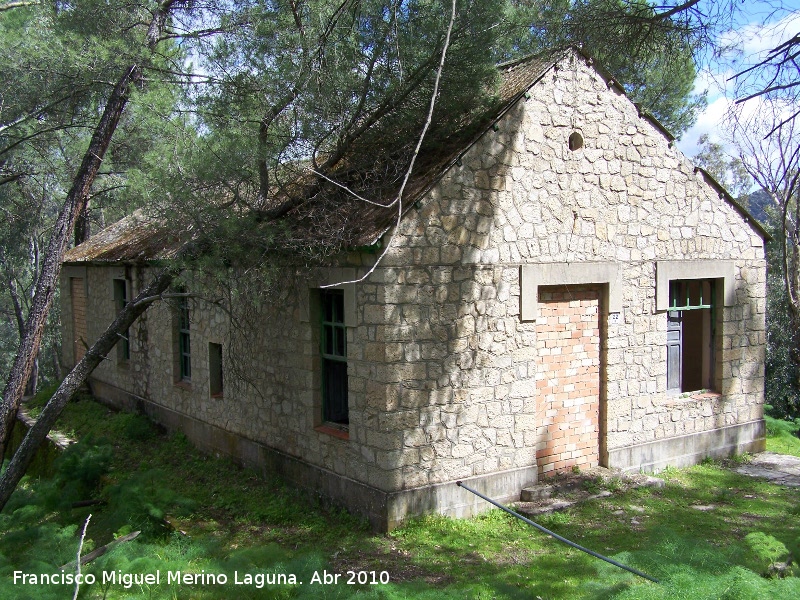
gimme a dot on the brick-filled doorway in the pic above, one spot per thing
(568, 378)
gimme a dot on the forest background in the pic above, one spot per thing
(228, 115)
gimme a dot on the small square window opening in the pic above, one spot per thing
(215, 369)
(120, 301)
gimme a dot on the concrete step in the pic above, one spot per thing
(566, 489)
(536, 492)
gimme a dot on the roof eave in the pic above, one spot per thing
(724, 194)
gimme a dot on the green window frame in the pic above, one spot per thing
(333, 349)
(184, 340)
(691, 294)
(120, 302)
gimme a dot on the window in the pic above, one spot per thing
(120, 301)
(215, 369)
(334, 358)
(184, 341)
(691, 329)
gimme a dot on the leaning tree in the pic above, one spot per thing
(276, 103)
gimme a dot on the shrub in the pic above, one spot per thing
(79, 470)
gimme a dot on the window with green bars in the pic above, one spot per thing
(184, 341)
(691, 335)
(333, 342)
(691, 294)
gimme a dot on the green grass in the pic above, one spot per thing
(202, 514)
(782, 436)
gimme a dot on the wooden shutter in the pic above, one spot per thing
(674, 349)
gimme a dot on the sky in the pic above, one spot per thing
(760, 27)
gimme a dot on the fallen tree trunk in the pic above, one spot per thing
(71, 211)
(101, 550)
(51, 267)
(75, 379)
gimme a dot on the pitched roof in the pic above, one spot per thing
(337, 214)
(137, 238)
(358, 223)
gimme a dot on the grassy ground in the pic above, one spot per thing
(709, 533)
(782, 436)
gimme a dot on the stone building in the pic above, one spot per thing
(566, 290)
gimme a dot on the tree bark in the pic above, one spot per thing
(83, 228)
(10, 5)
(33, 380)
(75, 379)
(51, 268)
(73, 207)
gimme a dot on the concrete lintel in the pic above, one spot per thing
(533, 276)
(117, 272)
(74, 271)
(687, 450)
(670, 270)
(335, 276)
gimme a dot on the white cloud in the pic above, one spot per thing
(758, 39)
(708, 122)
(712, 80)
(749, 44)
(712, 123)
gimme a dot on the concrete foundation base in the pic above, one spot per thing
(690, 449)
(385, 510)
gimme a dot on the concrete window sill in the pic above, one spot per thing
(691, 397)
(332, 431)
(705, 395)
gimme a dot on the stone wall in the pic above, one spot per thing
(520, 196)
(443, 366)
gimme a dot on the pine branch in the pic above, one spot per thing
(410, 168)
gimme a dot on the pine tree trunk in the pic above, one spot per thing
(75, 379)
(31, 384)
(33, 380)
(51, 267)
(55, 354)
(74, 205)
(82, 226)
